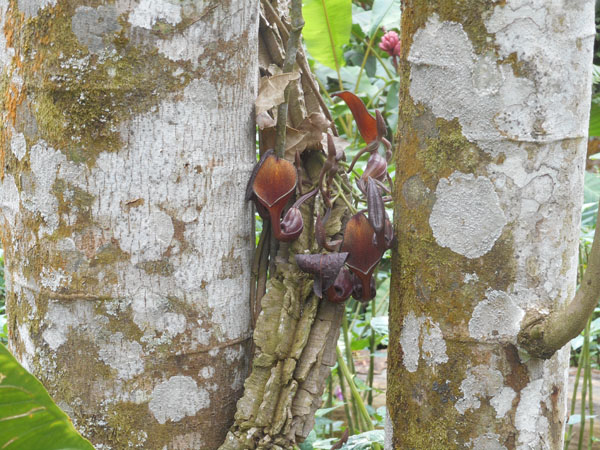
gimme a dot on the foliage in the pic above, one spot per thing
(370, 73)
(333, 17)
(29, 419)
(3, 323)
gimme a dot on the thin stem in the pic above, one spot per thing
(329, 403)
(256, 265)
(342, 123)
(364, 61)
(288, 65)
(347, 344)
(340, 191)
(389, 74)
(372, 350)
(574, 399)
(586, 351)
(355, 394)
(590, 405)
(351, 426)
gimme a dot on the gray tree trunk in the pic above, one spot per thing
(128, 136)
(494, 107)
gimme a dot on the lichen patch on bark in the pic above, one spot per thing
(466, 216)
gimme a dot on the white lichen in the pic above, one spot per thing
(497, 318)
(487, 441)
(176, 398)
(466, 216)
(502, 401)
(481, 382)
(125, 356)
(18, 145)
(409, 341)
(149, 12)
(434, 346)
(422, 333)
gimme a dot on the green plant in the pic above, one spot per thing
(29, 419)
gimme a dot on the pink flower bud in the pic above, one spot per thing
(390, 43)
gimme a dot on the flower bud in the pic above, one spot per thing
(291, 225)
(390, 43)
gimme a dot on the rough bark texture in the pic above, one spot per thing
(296, 332)
(127, 140)
(494, 105)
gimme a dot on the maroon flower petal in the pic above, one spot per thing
(325, 268)
(342, 287)
(365, 250)
(366, 123)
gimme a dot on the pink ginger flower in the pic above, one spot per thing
(390, 43)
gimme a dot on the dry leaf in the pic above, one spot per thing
(264, 120)
(270, 92)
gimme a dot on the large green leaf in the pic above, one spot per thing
(386, 14)
(29, 419)
(591, 187)
(595, 120)
(327, 29)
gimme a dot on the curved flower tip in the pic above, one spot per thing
(365, 250)
(291, 225)
(273, 183)
(324, 267)
(321, 235)
(366, 123)
(376, 169)
(358, 292)
(342, 288)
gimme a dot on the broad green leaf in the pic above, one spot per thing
(386, 14)
(362, 18)
(595, 74)
(327, 29)
(591, 189)
(576, 418)
(307, 444)
(324, 411)
(29, 419)
(380, 324)
(594, 129)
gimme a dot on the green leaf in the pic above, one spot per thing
(595, 74)
(576, 418)
(594, 129)
(359, 344)
(380, 324)
(324, 411)
(307, 444)
(327, 29)
(386, 14)
(29, 419)
(591, 188)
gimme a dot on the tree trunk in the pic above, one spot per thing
(128, 139)
(494, 106)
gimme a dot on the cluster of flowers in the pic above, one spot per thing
(347, 267)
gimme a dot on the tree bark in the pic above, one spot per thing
(494, 105)
(128, 139)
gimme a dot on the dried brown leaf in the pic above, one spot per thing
(270, 91)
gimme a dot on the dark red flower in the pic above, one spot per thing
(364, 249)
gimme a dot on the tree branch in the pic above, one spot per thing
(541, 335)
